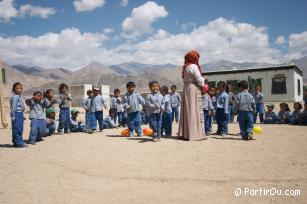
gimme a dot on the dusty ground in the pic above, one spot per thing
(107, 168)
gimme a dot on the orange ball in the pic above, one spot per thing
(124, 132)
(147, 131)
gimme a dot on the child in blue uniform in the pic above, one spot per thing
(37, 116)
(175, 101)
(75, 124)
(89, 118)
(296, 114)
(49, 98)
(98, 103)
(155, 106)
(132, 102)
(109, 121)
(222, 102)
(167, 113)
(64, 99)
(50, 121)
(17, 108)
(284, 114)
(270, 117)
(258, 96)
(116, 104)
(208, 110)
(246, 107)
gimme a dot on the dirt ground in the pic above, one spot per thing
(107, 168)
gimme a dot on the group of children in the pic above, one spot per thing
(160, 108)
(220, 104)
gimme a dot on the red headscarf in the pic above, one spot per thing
(191, 57)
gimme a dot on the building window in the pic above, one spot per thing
(252, 83)
(298, 87)
(279, 84)
(211, 83)
(3, 75)
(234, 85)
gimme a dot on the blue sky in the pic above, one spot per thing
(284, 20)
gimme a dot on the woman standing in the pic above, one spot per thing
(191, 126)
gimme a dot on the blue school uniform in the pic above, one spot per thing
(90, 119)
(246, 107)
(116, 104)
(132, 102)
(175, 103)
(50, 127)
(270, 118)
(155, 107)
(259, 106)
(295, 117)
(38, 120)
(17, 108)
(64, 116)
(222, 102)
(213, 99)
(97, 106)
(207, 108)
(231, 107)
(303, 118)
(75, 126)
(109, 122)
(284, 117)
(167, 116)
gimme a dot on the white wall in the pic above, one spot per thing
(78, 93)
(266, 82)
(298, 98)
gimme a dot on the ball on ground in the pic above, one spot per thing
(147, 131)
(124, 132)
(257, 129)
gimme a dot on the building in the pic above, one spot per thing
(279, 84)
(78, 93)
(3, 104)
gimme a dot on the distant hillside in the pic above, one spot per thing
(37, 78)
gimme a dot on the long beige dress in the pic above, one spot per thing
(191, 126)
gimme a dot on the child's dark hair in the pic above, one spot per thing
(90, 91)
(222, 84)
(243, 84)
(130, 84)
(174, 87)
(37, 92)
(46, 93)
(285, 105)
(164, 89)
(112, 110)
(116, 91)
(15, 85)
(62, 86)
(299, 105)
(152, 83)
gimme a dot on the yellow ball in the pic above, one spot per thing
(257, 130)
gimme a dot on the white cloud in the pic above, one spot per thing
(186, 26)
(124, 3)
(7, 10)
(280, 40)
(51, 49)
(88, 5)
(108, 30)
(141, 19)
(297, 45)
(43, 12)
(220, 39)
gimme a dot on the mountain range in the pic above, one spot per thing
(38, 78)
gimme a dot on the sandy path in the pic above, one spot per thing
(106, 168)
